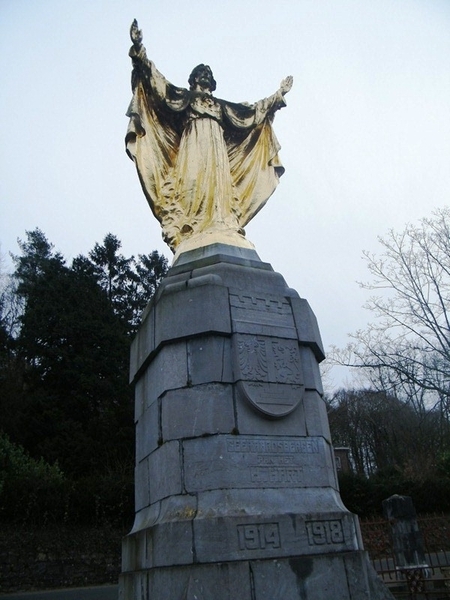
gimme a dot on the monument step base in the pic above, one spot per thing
(221, 538)
(337, 576)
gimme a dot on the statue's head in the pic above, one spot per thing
(202, 76)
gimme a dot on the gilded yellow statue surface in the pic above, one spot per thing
(206, 166)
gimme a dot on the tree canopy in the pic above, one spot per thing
(65, 332)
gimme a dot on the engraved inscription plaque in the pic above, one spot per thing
(254, 462)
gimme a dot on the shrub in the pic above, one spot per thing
(29, 488)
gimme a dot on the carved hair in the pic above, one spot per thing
(194, 74)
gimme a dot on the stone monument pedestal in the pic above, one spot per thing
(236, 488)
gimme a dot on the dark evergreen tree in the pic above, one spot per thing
(76, 352)
(115, 275)
(129, 284)
(64, 393)
(73, 346)
(150, 269)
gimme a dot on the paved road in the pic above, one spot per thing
(104, 592)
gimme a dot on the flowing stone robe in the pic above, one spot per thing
(206, 166)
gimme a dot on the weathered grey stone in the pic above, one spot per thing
(209, 360)
(178, 508)
(170, 280)
(146, 517)
(252, 421)
(172, 287)
(139, 397)
(305, 578)
(147, 432)
(143, 344)
(134, 352)
(168, 371)
(191, 312)
(270, 373)
(357, 575)
(223, 503)
(311, 372)
(301, 578)
(201, 582)
(316, 415)
(363, 581)
(165, 471)
(307, 328)
(197, 411)
(172, 544)
(274, 535)
(135, 552)
(127, 583)
(129, 553)
(141, 586)
(262, 314)
(257, 279)
(208, 279)
(271, 359)
(236, 502)
(255, 462)
(274, 400)
(217, 253)
(142, 489)
(161, 535)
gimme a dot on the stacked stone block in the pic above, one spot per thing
(236, 488)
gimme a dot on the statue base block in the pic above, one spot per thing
(236, 486)
(326, 577)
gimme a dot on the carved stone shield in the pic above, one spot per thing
(269, 373)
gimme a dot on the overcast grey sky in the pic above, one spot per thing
(365, 136)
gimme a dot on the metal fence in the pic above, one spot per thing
(424, 582)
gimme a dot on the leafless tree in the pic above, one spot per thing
(406, 349)
(383, 432)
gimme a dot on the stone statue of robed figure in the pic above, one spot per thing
(206, 166)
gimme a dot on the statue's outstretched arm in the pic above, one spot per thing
(145, 73)
(136, 35)
(275, 101)
(286, 84)
(137, 50)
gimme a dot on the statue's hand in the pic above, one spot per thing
(136, 35)
(286, 84)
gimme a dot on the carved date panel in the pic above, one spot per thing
(258, 536)
(281, 535)
(321, 533)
